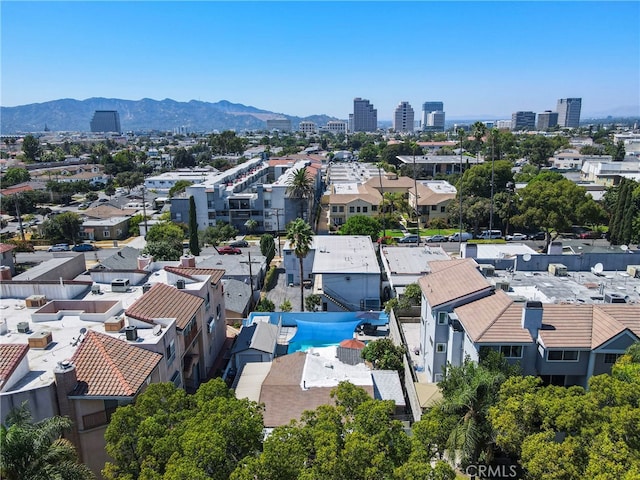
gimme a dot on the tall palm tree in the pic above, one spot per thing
(37, 451)
(300, 236)
(300, 186)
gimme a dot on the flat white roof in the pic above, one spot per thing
(323, 369)
(344, 253)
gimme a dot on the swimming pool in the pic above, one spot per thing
(321, 334)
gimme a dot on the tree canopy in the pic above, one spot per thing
(37, 451)
(14, 175)
(169, 434)
(63, 227)
(362, 225)
(300, 236)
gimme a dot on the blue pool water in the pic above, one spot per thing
(321, 334)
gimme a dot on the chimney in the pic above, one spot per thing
(144, 261)
(532, 317)
(66, 382)
(188, 261)
(5, 273)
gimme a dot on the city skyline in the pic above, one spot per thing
(482, 59)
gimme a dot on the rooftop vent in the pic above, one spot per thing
(146, 287)
(40, 339)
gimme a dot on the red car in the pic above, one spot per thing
(226, 250)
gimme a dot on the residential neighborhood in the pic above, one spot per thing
(278, 270)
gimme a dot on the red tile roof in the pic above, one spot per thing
(6, 247)
(190, 272)
(164, 301)
(10, 357)
(109, 367)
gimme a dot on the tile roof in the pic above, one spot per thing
(110, 367)
(6, 247)
(282, 395)
(494, 318)
(453, 281)
(164, 301)
(10, 357)
(191, 272)
(428, 196)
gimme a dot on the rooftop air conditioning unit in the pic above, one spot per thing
(634, 270)
(146, 287)
(23, 327)
(502, 285)
(132, 333)
(180, 284)
(613, 297)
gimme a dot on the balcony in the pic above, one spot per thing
(97, 419)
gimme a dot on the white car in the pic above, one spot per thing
(518, 237)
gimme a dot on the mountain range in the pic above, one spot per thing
(141, 115)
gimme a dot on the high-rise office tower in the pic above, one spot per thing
(106, 121)
(546, 120)
(403, 118)
(569, 112)
(433, 116)
(523, 121)
(365, 117)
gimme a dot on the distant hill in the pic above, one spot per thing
(141, 115)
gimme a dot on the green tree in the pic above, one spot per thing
(553, 204)
(179, 187)
(164, 241)
(362, 225)
(15, 175)
(300, 236)
(194, 245)
(616, 151)
(285, 306)
(312, 302)
(64, 227)
(384, 354)
(37, 450)
(476, 181)
(251, 225)
(183, 159)
(31, 148)
(268, 247)
(265, 305)
(169, 434)
(221, 232)
(300, 186)
(368, 153)
(129, 180)
(537, 149)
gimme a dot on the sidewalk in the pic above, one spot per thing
(135, 242)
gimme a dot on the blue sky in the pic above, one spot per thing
(479, 58)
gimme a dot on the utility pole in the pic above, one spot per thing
(18, 196)
(250, 277)
(415, 187)
(460, 134)
(492, 186)
(144, 213)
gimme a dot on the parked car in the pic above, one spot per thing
(239, 243)
(409, 239)
(102, 200)
(84, 247)
(436, 238)
(590, 234)
(456, 237)
(538, 236)
(228, 250)
(59, 247)
(517, 237)
(490, 234)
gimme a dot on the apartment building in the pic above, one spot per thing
(432, 199)
(562, 340)
(308, 127)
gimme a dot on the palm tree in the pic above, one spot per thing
(300, 236)
(300, 186)
(37, 450)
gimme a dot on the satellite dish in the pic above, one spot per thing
(157, 329)
(526, 257)
(83, 331)
(624, 248)
(598, 268)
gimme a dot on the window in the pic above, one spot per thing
(358, 209)
(178, 217)
(434, 207)
(374, 208)
(341, 209)
(334, 209)
(442, 209)
(175, 378)
(611, 357)
(562, 355)
(106, 234)
(511, 351)
(443, 318)
(431, 341)
(208, 301)
(171, 352)
(364, 210)
(441, 347)
(352, 209)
